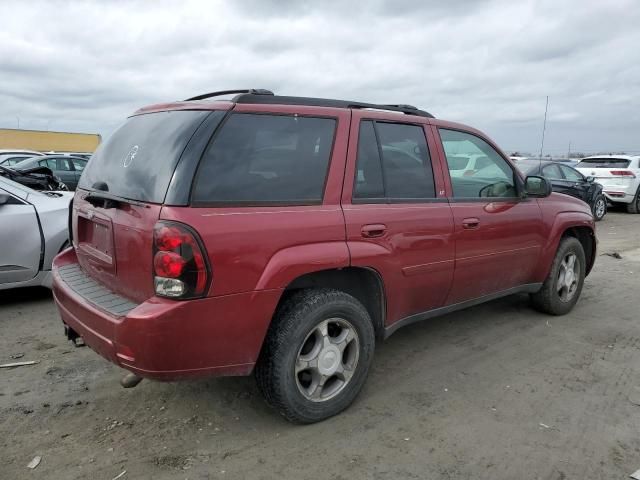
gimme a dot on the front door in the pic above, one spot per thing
(20, 240)
(398, 220)
(498, 234)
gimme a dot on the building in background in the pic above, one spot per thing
(44, 141)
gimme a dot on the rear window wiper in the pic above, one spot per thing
(108, 200)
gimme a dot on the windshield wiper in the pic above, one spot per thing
(108, 200)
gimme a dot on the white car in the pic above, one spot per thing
(619, 176)
(34, 230)
(465, 165)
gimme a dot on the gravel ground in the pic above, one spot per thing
(493, 392)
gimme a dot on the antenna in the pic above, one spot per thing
(544, 126)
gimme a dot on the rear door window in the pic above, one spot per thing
(604, 163)
(138, 160)
(570, 174)
(393, 164)
(64, 164)
(259, 159)
(552, 172)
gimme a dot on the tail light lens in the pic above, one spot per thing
(180, 266)
(622, 173)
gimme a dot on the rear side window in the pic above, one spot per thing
(393, 163)
(604, 163)
(138, 160)
(266, 159)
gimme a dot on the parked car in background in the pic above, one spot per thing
(35, 229)
(37, 178)
(6, 154)
(68, 169)
(568, 180)
(281, 235)
(619, 175)
(11, 161)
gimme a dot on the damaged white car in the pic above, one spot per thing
(33, 230)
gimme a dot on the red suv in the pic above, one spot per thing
(284, 235)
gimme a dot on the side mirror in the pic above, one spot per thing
(4, 198)
(536, 186)
(590, 179)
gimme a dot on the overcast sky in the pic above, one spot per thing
(85, 66)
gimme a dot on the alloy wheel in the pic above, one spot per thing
(327, 359)
(568, 277)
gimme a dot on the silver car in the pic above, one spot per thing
(33, 230)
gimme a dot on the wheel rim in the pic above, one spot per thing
(327, 359)
(568, 277)
(600, 206)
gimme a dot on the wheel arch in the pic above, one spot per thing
(363, 283)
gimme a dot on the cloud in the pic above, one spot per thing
(85, 66)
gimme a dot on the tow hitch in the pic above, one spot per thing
(72, 335)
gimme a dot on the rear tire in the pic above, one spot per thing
(562, 288)
(316, 355)
(599, 208)
(634, 206)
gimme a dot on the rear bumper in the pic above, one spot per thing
(169, 340)
(619, 193)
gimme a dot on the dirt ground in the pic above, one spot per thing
(494, 392)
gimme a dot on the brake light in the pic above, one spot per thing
(622, 173)
(180, 266)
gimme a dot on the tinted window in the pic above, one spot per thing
(571, 174)
(79, 164)
(604, 163)
(257, 159)
(64, 164)
(50, 162)
(405, 170)
(368, 181)
(138, 160)
(495, 178)
(553, 172)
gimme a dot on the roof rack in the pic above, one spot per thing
(327, 102)
(262, 96)
(250, 91)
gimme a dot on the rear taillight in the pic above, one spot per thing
(622, 173)
(179, 264)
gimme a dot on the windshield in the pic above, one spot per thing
(138, 160)
(604, 163)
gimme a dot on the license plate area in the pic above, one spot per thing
(95, 240)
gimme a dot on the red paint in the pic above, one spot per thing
(428, 255)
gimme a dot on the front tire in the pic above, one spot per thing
(316, 355)
(599, 208)
(562, 288)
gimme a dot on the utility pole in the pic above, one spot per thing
(569, 152)
(544, 126)
(18, 121)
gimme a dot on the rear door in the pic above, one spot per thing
(397, 217)
(498, 234)
(559, 182)
(574, 182)
(78, 167)
(66, 172)
(21, 243)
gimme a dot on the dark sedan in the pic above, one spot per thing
(68, 169)
(565, 179)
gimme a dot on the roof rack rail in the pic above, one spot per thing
(250, 91)
(250, 97)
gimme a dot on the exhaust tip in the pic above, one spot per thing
(130, 380)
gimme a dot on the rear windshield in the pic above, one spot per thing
(258, 159)
(138, 160)
(603, 163)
